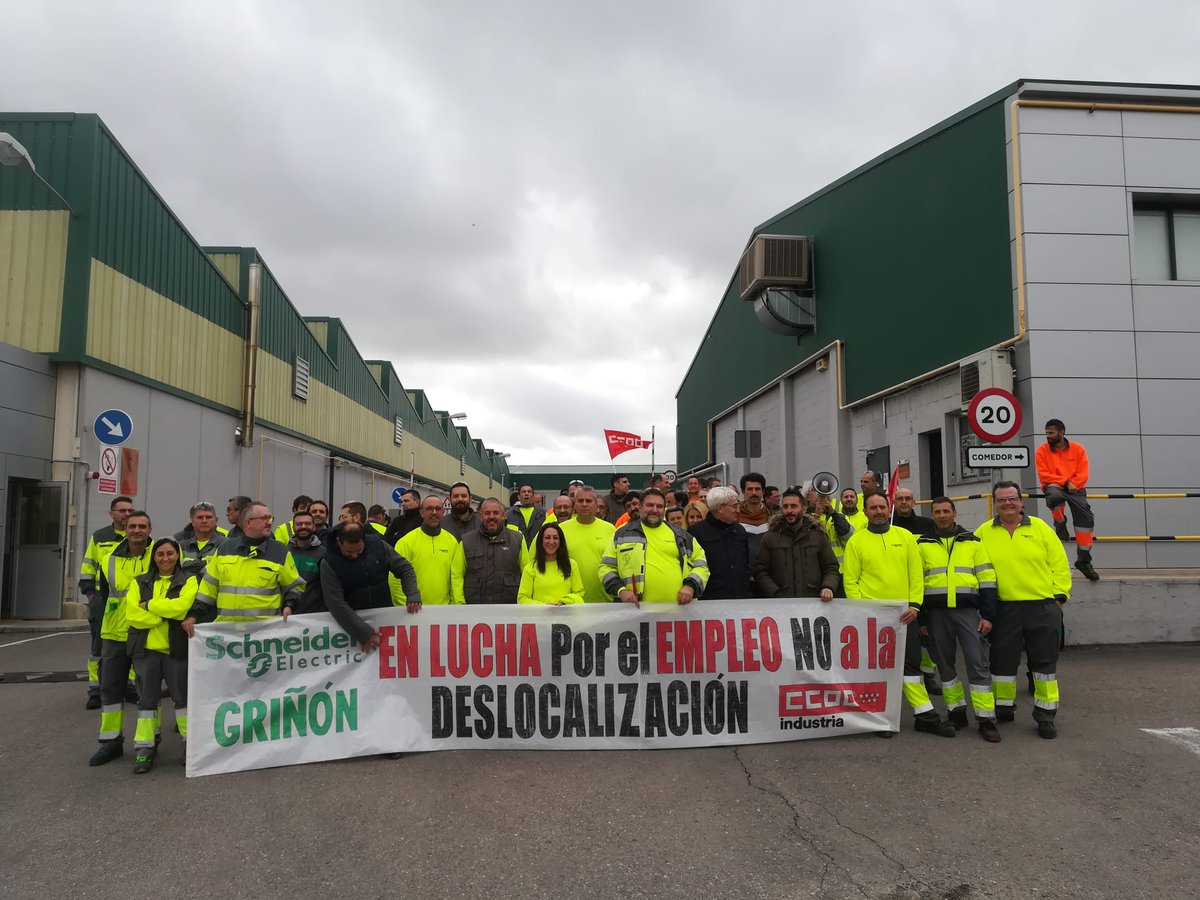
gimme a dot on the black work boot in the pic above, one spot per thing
(1084, 565)
(108, 751)
(988, 731)
(958, 717)
(93, 700)
(1005, 713)
(930, 723)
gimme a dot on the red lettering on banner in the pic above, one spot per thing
(398, 656)
(457, 660)
(872, 650)
(714, 641)
(506, 649)
(827, 699)
(734, 662)
(531, 661)
(887, 647)
(768, 636)
(663, 645)
(849, 639)
(436, 669)
(749, 646)
(689, 643)
(481, 639)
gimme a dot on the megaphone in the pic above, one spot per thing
(825, 484)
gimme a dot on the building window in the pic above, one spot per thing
(398, 434)
(1166, 242)
(300, 379)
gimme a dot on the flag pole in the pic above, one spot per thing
(651, 450)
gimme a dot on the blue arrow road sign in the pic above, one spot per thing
(398, 494)
(113, 427)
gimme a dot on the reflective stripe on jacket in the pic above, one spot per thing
(958, 572)
(244, 582)
(623, 565)
(117, 575)
(103, 542)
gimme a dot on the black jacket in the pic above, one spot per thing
(727, 550)
(409, 520)
(351, 585)
(918, 525)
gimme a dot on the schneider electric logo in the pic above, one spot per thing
(307, 650)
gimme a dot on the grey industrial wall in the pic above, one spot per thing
(188, 453)
(1116, 358)
(27, 386)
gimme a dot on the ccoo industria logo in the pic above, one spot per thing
(832, 699)
(307, 650)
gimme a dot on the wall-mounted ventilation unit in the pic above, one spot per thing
(989, 369)
(398, 434)
(775, 273)
(300, 379)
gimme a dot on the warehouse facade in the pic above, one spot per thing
(1064, 265)
(114, 306)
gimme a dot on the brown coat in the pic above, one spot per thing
(794, 561)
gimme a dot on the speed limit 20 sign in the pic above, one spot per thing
(994, 415)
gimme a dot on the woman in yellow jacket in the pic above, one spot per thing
(155, 605)
(552, 577)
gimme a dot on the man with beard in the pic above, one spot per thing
(462, 518)
(526, 516)
(488, 561)
(794, 557)
(653, 561)
(883, 563)
(320, 514)
(307, 552)
(614, 501)
(855, 516)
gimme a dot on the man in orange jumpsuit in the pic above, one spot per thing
(1062, 468)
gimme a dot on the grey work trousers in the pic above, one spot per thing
(1081, 510)
(114, 682)
(1032, 626)
(949, 629)
(152, 667)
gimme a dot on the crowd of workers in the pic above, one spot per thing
(992, 593)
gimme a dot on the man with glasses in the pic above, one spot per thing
(251, 577)
(233, 514)
(200, 539)
(1033, 581)
(103, 542)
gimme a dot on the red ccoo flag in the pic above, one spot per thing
(620, 441)
(892, 485)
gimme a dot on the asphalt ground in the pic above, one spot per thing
(1107, 810)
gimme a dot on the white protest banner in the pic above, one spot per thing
(590, 677)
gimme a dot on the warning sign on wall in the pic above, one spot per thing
(129, 472)
(107, 482)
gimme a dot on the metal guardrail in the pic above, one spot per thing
(1117, 538)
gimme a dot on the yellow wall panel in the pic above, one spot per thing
(33, 255)
(135, 328)
(230, 265)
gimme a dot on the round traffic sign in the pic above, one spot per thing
(669, 476)
(995, 415)
(398, 494)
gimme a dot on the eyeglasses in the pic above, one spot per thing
(1008, 499)
(256, 518)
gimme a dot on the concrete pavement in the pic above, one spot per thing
(1107, 810)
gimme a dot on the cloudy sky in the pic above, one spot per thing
(524, 204)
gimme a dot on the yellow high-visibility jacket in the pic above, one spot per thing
(244, 582)
(1030, 563)
(551, 586)
(655, 563)
(958, 572)
(118, 571)
(883, 566)
(166, 598)
(431, 557)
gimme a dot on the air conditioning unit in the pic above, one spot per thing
(989, 369)
(776, 261)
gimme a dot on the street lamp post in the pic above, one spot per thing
(14, 155)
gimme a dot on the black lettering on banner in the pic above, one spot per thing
(560, 646)
(595, 729)
(677, 697)
(485, 721)
(656, 725)
(462, 709)
(442, 713)
(525, 711)
(644, 629)
(573, 712)
(503, 729)
(738, 709)
(582, 655)
(548, 697)
(602, 642)
(627, 653)
(629, 691)
(823, 643)
(610, 710)
(714, 707)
